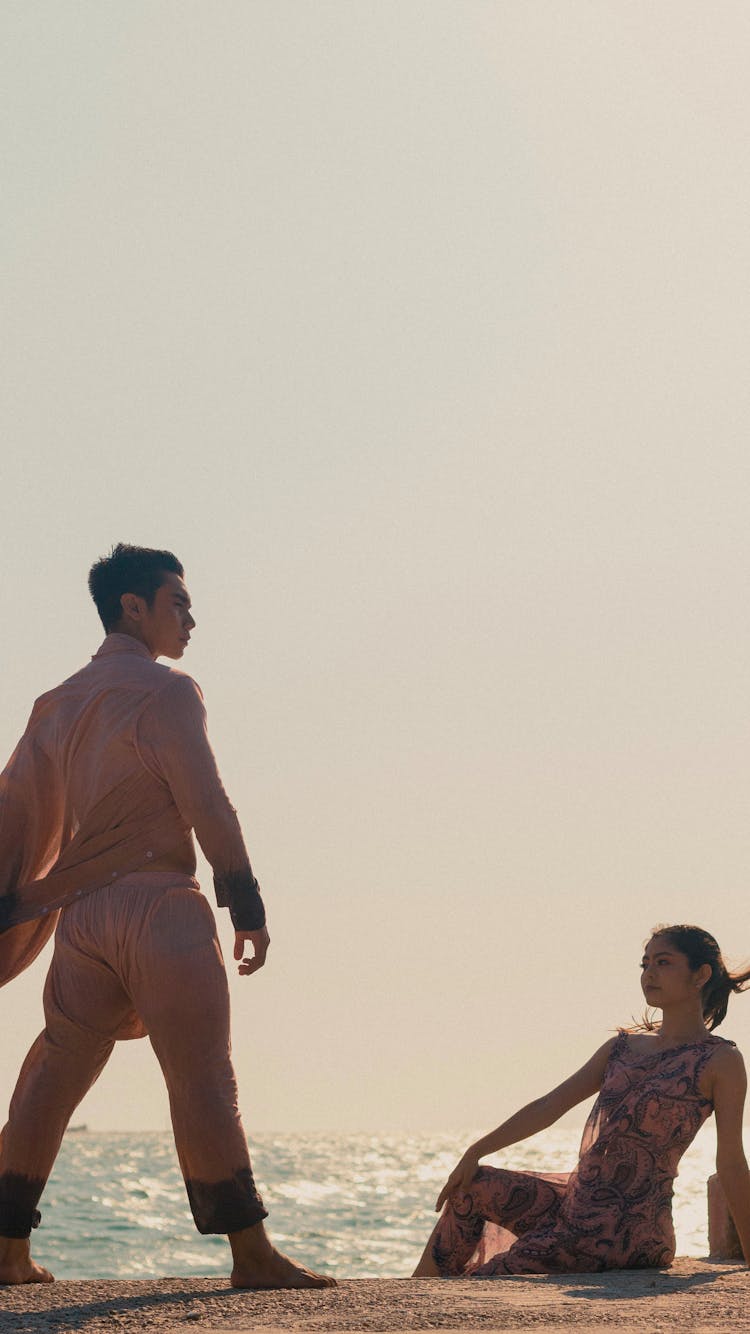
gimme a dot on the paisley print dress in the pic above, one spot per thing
(614, 1211)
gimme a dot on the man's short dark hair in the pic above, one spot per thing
(127, 569)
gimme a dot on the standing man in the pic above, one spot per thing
(97, 805)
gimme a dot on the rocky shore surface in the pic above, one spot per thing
(693, 1295)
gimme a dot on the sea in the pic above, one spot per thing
(353, 1205)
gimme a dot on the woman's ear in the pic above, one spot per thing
(703, 975)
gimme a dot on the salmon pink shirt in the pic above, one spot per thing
(112, 774)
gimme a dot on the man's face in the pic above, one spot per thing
(165, 626)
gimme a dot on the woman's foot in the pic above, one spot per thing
(257, 1264)
(16, 1264)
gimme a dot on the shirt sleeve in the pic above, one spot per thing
(172, 740)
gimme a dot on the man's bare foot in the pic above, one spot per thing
(257, 1264)
(16, 1264)
(279, 1272)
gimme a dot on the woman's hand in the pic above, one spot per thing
(460, 1178)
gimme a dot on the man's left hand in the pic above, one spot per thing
(260, 940)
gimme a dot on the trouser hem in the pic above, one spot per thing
(18, 1200)
(221, 1226)
(19, 1195)
(226, 1206)
(19, 1231)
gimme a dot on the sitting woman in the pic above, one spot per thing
(656, 1086)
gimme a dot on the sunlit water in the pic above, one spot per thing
(353, 1205)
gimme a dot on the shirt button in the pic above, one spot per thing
(149, 854)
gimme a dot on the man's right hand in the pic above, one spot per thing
(260, 940)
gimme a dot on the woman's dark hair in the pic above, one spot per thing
(127, 569)
(700, 948)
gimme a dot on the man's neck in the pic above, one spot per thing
(134, 632)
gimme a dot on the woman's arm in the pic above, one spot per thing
(533, 1117)
(728, 1096)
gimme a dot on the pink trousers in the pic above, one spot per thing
(140, 955)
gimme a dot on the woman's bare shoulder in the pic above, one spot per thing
(724, 1071)
(727, 1056)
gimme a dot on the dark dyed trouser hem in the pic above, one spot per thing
(226, 1206)
(19, 1196)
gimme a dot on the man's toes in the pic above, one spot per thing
(321, 1280)
(40, 1275)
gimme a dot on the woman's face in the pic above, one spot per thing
(666, 976)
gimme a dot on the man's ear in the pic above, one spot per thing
(132, 606)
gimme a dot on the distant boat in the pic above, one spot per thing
(77, 1130)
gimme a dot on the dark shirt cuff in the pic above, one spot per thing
(239, 891)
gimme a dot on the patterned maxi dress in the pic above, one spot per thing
(614, 1210)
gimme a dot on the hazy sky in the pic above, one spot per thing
(420, 332)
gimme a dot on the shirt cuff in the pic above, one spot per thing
(239, 891)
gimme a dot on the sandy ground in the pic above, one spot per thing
(694, 1295)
